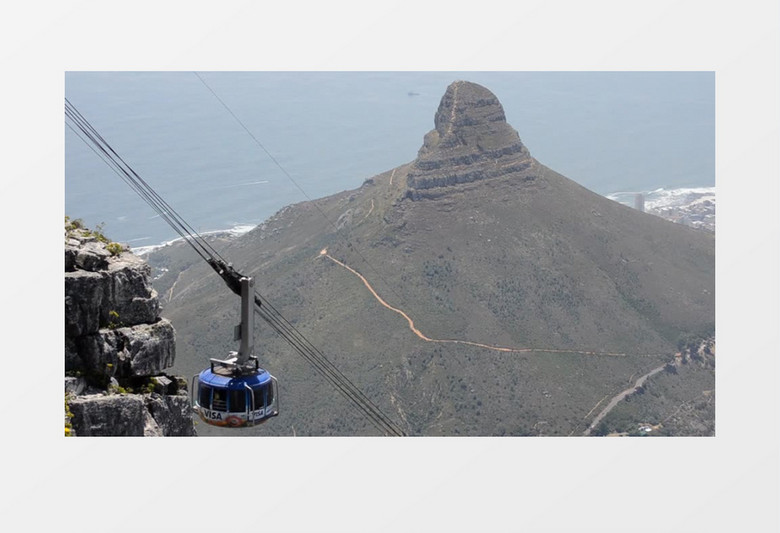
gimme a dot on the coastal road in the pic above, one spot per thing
(621, 396)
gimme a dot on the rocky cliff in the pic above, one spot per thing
(117, 346)
(471, 141)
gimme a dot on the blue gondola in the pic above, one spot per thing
(236, 392)
(226, 397)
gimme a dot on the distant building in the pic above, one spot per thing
(639, 202)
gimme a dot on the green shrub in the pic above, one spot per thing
(114, 321)
(75, 223)
(115, 248)
(72, 225)
(98, 233)
(117, 389)
(68, 416)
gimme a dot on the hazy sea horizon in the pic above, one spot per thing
(313, 134)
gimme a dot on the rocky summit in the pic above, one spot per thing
(116, 345)
(471, 141)
(470, 291)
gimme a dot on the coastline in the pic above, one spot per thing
(691, 206)
(143, 251)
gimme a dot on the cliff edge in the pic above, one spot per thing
(116, 345)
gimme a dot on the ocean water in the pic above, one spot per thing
(311, 134)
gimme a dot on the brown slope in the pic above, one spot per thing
(474, 241)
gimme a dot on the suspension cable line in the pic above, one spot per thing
(323, 365)
(293, 181)
(110, 157)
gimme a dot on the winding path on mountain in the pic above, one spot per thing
(422, 336)
(369, 211)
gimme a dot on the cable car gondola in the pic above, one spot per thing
(236, 392)
(228, 398)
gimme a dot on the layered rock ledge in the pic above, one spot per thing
(471, 141)
(116, 345)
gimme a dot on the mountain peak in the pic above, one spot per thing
(466, 104)
(471, 141)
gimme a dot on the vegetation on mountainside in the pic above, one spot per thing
(522, 288)
(68, 417)
(77, 225)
